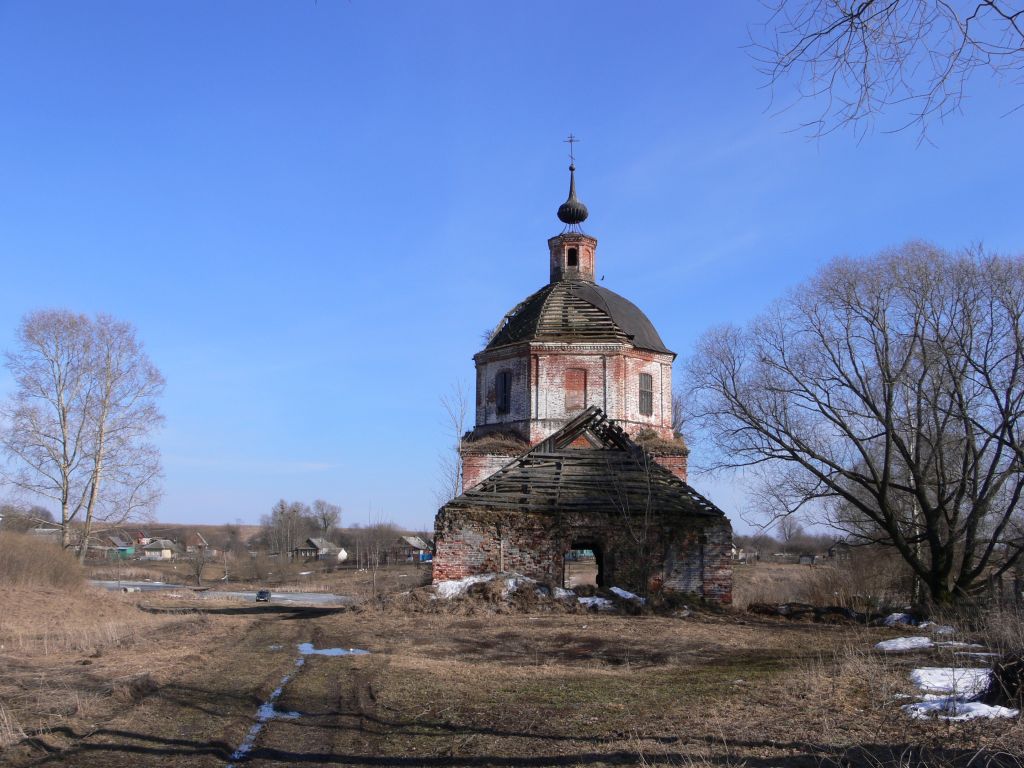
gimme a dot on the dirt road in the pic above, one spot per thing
(521, 690)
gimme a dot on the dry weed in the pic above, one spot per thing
(28, 561)
(10, 731)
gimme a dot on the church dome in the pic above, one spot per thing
(577, 311)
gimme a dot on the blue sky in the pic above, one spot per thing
(311, 210)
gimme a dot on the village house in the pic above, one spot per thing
(319, 549)
(411, 549)
(573, 446)
(161, 549)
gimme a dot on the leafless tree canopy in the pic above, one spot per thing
(75, 430)
(328, 517)
(287, 526)
(890, 393)
(860, 58)
(455, 405)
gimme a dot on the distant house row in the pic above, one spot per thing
(138, 545)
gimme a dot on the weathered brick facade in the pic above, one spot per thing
(691, 556)
(570, 346)
(588, 486)
(580, 374)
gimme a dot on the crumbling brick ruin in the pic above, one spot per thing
(647, 528)
(580, 374)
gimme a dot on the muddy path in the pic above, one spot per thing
(283, 689)
(202, 717)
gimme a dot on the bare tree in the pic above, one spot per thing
(455, 405)
(678, 415)
(790, 529)
(286, 526)
(16, 518)
(860, 58)
(77, 425)
(196, 562)
(887, 395)
(327, 517)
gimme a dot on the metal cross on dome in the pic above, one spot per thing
(570, 141)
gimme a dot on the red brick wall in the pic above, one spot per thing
(676, 464)
(690, 555)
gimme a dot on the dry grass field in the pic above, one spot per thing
(93, 679)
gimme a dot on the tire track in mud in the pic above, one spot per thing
(195, 717)
(324, 707)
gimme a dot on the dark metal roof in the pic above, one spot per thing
(572, 211)
(615, 476)
(575, 310)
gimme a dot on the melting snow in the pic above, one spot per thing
(967, 682)
(600, 603)
(893, 619)
(942, 629)
(458, 587)
(263, 714)
(949, 691)
(267, 712)
(955, 708)
(898, 644)
(307, 649)
(628, 595)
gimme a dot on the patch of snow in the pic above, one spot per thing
(955, 708)
(900, 644)
(895, 619)
(564, 594)
(960, 681)
(628, 595)
(274, 647)
(307, 649)
(265, 712)
(458, 587)
(304, 573)
(942, 629)
(958, 644)
(600, 603)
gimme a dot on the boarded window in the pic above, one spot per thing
(575, 390)
(646, 394)
(503, 392)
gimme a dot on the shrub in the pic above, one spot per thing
(28, 561)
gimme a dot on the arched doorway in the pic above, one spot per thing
(583, 564)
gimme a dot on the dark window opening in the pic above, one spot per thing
(503, 392)
(646, 394)
(573, 259)
(583, 565)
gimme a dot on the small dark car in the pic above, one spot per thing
(263, 596)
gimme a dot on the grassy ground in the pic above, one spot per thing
(460, 688)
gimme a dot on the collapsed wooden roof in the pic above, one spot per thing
(613, 475)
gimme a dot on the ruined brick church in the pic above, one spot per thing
(573, 446)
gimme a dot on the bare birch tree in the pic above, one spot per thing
(887, 395)
(862, 58)
(76, 428)
(456, 406)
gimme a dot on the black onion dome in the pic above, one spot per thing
(572, 211)
(578, 311)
